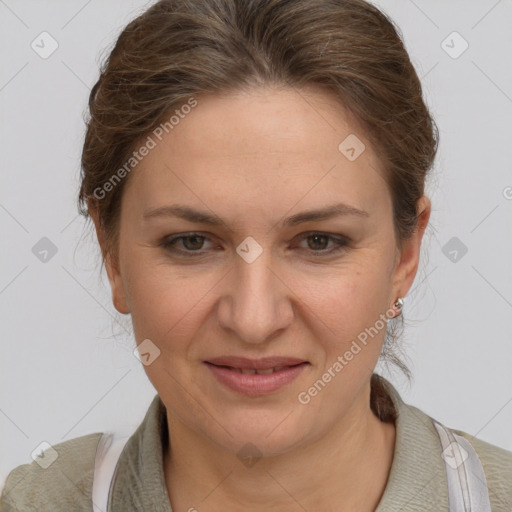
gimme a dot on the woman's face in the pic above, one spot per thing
(258, 283)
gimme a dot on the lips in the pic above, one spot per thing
(255, 376)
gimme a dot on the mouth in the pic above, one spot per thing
(255, 377)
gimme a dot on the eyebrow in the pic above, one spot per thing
(202, 217)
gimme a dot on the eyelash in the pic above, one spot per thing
(341, 244)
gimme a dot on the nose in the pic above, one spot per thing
(255, 305)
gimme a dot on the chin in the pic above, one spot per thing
(267, 435)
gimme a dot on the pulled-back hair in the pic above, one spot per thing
(179, 49)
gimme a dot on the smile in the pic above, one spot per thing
(254, 377)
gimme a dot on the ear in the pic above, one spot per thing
(111, 266)
(409, 255)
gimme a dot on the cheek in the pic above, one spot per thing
(168, 305)
(345, 298)
(347, 313)
(165, 310)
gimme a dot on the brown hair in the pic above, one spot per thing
(178, 49)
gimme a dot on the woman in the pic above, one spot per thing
(255, 173)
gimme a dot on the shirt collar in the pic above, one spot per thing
(417, 479)
(139, 479)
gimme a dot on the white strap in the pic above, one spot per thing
(108, 452)
(467, 485)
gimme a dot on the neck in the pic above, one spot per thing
(346, 469)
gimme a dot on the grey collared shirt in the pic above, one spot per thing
(417, 481)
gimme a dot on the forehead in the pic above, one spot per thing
(268, 149)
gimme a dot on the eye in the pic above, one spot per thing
(318, 243)
(193, 243)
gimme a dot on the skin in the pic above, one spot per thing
(253, 158)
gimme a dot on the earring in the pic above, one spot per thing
(398, 304)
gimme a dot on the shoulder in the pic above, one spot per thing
(497, 464)
(419, 435)
(61, 482)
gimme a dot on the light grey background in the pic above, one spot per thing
(63, 374)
